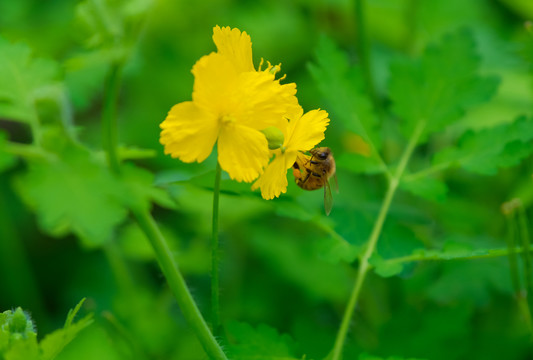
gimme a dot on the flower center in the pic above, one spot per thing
(227, 119)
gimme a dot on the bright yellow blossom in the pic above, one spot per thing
(231, 104)
(303, 133)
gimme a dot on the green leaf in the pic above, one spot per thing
(488, 150)
(139, 191)
(260, 343)
(23, 349)
(334, 249)
(438, 88)
(23, 80)
(343, 88)
(359, 164)
(427, 187)
(54, 343)
(6, 159)
(73, 193)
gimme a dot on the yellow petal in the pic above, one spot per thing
(273, 181)
(188, 132)
(242, 151)
(262, 100)
(214, 83)
(234, 45)
(306, 132)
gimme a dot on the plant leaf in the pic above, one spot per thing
(343, 88)
(22, 80)
(54, 343)
(427, 187)
(75, 194)
(486, 151)
(6, 159)
(262, 342)
(441, 86)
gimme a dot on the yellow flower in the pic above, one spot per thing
(303, 133)
(231, 104)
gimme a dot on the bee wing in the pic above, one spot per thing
(328, 198)
(336, 182)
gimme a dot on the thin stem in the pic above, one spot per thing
(177, 284)
(215, 257)
(109, 114)
(485, 254)
(364, 265)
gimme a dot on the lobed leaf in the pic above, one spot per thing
(23, 79)
(486, 151)
(441, 86)
(75, 194)
(55, 342)
(342, 87)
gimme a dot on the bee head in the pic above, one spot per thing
(321, 153)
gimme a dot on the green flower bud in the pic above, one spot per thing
(18, 323)
(274, 137)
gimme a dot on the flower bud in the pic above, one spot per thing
(274, 137)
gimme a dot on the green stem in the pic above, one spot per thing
(364, 265)
(485, 254)
(177, 284)
(215, 256)
(109, 115)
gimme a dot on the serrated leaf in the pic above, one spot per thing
(262, 342)
(73, 194)
(6, 159)
(385, 268)
(342, 86)
(139, 191)
(438, 88)
(334, 250)
(23, 349)
(55, 342)
(427, 187)
(22, 79)
(488, 150)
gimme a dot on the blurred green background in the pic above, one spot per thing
(286, 273)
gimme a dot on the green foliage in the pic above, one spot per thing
(488, 150)
(437, 89)
(18, 337)
(263, 342)
(341, 85)
(23, 80)
(457, 71)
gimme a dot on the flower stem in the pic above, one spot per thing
(177, 284)
(364, 265)
(109, 114)
(215, 257)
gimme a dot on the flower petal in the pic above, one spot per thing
(214, 82)
(242, 151)
(305, 132)
(189, 132)
(234, 45)
(273, 181)
(262, 100)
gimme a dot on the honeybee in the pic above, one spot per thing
(312, 172)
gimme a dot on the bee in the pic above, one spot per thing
(312, 172)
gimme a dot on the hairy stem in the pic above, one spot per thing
(215, 257)
(364, 265)
(177, 284)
